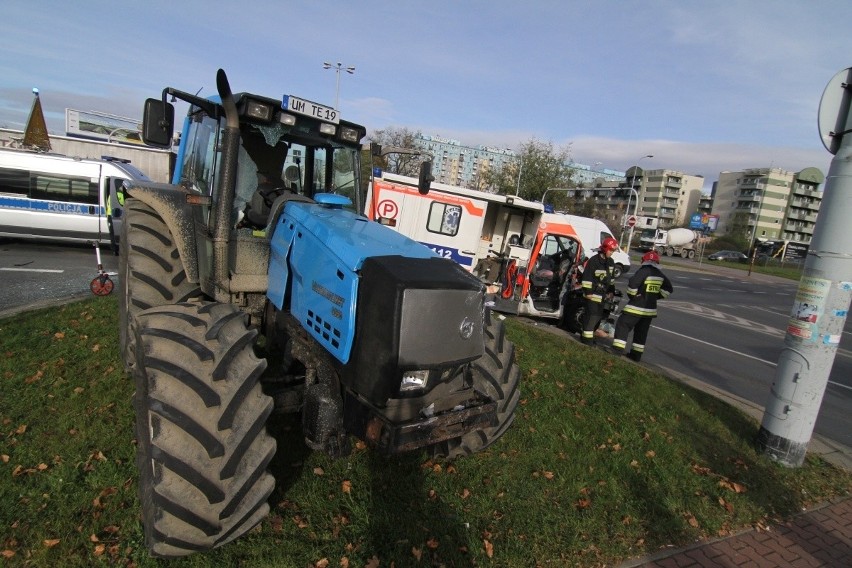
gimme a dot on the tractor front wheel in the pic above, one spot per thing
(203, 448)
(498, 376)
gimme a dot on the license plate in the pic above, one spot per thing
(312, 109)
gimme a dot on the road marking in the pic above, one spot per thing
(33, 270)
(770, 363)
(708, 313)
(717, 346)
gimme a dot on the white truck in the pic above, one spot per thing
(525, 257)
(672, 242)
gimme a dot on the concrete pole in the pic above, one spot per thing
(816, 320)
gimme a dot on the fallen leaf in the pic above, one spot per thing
(21, 429)
(489, 548)
(373, 562)
(99, 550)
(416, 552)
(465, 493)
(650, 454)
(96, 347)
(94, 538)
(690, 518)
(4, 458)
(319, 471)
(7, 553)
(323, 563)
(34, 378)
(344, 562)
(59, 335)
(432, 543)
(79, 390)
(346, 486)
(51, 542)
(583, 503)
(300, 522)
(548, 475)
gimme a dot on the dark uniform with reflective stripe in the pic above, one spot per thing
(645, 287)
(597, 282)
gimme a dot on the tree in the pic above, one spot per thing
(538, 168)
(395, 162)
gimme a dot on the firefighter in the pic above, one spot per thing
(597, 282)
(645, 287)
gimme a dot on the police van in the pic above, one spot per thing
(61, 198)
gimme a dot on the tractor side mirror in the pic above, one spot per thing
(426, 179)
(158, 123)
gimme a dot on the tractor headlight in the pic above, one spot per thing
(259, 111)
(349, 134)
(287, 119)
(326, 128)
(413, 380)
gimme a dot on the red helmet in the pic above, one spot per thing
(609, 244)
(651, 256)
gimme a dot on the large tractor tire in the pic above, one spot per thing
(150, 271)
(497, 375)
(203, 448)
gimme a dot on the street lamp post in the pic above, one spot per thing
(636, 205)
(349, 69)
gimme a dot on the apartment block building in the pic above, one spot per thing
(669, 195)
(457, 164)
(769, 203)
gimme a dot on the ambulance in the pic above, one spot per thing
(528, 259)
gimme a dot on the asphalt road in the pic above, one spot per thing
(720, 326)
(40, 274)
(727, 329)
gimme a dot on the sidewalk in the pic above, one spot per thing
(820, 537)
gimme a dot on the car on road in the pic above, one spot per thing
(731, 255)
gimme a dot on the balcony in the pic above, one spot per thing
(751, 197)
(806, 191)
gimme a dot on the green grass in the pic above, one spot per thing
(605, 461)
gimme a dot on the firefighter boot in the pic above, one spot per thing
(635, 355)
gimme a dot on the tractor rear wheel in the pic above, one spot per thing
(203, 448)
(150, 271)
(497, 375)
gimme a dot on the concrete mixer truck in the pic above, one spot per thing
(672, 242)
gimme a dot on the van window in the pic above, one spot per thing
(444, 219)
(52, 187)
(63, 188)
(14, 181)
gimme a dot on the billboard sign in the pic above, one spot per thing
(101, 126)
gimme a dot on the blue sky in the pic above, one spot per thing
(703, 86)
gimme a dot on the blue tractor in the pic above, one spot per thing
(252, 283)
